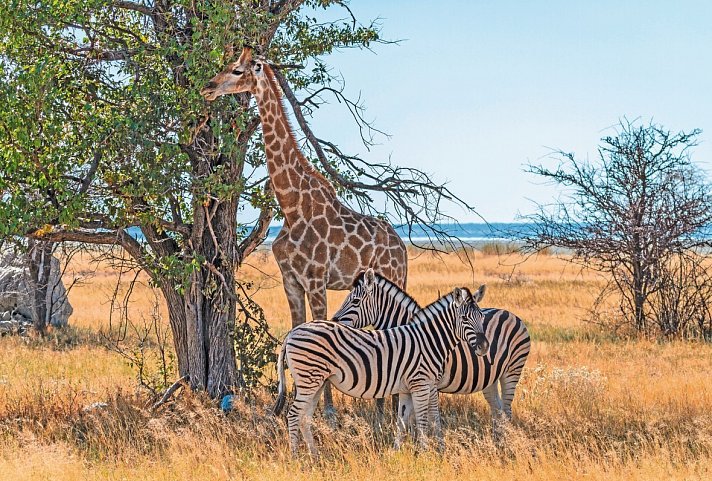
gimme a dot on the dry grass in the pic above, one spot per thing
(589, 407)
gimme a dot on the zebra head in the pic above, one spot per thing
(469, 317)
(360, 308)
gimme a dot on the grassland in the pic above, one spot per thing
(590, 405)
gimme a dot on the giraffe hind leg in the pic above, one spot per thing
(295, 296)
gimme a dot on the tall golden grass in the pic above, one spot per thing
(589, 406)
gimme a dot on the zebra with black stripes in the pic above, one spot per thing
(407, 360)
(378, 302)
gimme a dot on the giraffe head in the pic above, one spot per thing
(245, 75)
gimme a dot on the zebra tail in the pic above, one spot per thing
(282, 395)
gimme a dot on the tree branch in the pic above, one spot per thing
(136, 7)
(86, 182)
(259, 231)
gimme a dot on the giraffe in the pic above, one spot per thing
(323, 244)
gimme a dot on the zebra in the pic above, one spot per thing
(376, 301)
(406, 360)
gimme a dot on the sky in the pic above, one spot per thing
(476, 90)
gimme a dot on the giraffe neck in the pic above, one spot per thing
(298, 186)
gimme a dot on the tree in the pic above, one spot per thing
(637, 214)
(104, 139)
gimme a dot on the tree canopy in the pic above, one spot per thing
(103, 135)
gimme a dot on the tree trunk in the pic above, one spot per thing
(210, 301)
(40, 263)
(177, 318)
(202, 319)
(638, 297)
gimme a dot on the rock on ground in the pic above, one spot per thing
(16, 298)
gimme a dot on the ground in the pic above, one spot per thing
(591, 404)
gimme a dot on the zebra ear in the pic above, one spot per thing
(370, 279)
(479, 293)
(460, 296)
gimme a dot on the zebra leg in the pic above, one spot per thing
(307, 422)
(294, 419)
(491, 394)
(300, 417)
(421, 403)
(509, 385)
(316, 295)
(405, 413)
(434, 417)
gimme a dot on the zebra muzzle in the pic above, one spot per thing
(481, 345)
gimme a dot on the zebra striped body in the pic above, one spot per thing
(384, 305)
(408, 360)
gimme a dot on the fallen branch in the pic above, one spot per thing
(169, 392)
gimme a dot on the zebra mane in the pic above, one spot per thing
(437, 306)
(399, 295)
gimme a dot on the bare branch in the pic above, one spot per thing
(86, 182)
(415, 197)
(169, 392)
(89, 236)
(636, 214)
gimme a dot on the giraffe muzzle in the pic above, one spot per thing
(209, 91)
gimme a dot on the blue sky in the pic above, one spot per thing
(477, 89)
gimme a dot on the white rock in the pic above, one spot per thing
(16, 294)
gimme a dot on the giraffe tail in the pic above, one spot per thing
(282, 395)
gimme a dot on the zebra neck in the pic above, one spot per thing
(398, 315)
(437, 331)
(399, 308)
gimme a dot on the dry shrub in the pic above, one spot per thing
(563, 419)
(568, 389)
(498, 248)
(120, 428)
(588, 406)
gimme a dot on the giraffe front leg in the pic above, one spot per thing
(405, 413)
(316, 295)
(295, 296)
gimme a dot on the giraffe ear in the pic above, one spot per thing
(245, 56)
(460, 296)
(369, 279)
(479, 293)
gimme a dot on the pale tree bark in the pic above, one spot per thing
(39, 258)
